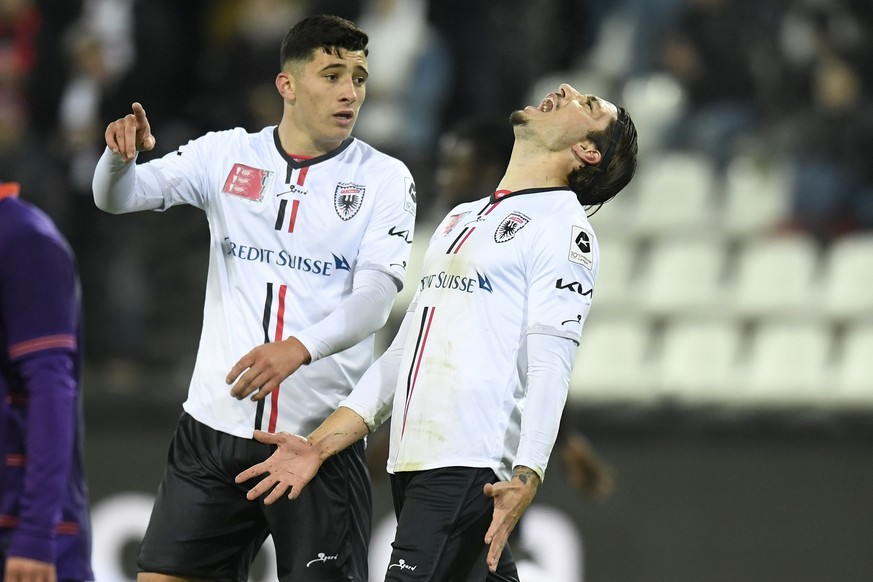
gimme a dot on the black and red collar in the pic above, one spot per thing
(504, 194)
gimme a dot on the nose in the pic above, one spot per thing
(351, 92)
(567, 91)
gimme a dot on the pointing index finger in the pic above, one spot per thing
(139, 111)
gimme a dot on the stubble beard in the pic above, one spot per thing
(518, 118)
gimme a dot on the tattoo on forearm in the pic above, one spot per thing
(527, 476)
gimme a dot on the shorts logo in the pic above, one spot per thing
(347, 200)
(402, 565)
(322, 557)
(510, 226)
(246, 182)
(580, 247)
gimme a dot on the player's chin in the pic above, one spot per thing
(519, 117)
(344, 123)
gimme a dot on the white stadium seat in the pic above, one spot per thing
(614, 291)
(698, 360)
(683, 277)
(675, 196)
(654, 101)
(757, 196)
(776, 277)
(788, 365)
(848, 278)
(610, 363)
(854, 371)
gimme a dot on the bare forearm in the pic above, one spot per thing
(527, 476)
(340, 430)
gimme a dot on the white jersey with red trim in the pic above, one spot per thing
(496, 270)
(287, 236)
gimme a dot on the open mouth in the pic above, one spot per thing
(549, 103)
(344, 115)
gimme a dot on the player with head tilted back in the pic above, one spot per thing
(303, 268)
(477, 377)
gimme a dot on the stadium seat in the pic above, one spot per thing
(698, 360)
(756, 197)
(614, 292)
(654, 101)
(848, 278)
(675, 195)
(775, 277)
(788, 365)
(854, 370)
(614, 219)
(683, 277)
(610, 363)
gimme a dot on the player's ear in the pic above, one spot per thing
(285, 85)
(586, 152)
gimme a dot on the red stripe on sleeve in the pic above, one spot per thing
(42, 343)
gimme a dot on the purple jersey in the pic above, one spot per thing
(43, 493)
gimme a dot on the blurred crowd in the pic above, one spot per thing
(786, 80)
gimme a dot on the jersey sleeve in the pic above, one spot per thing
(388, 239)
(179, 177)
(39, 303)
(561, 271)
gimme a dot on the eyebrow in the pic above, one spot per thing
(342, 67)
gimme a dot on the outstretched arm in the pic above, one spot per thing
(297, 459)
(115, 184)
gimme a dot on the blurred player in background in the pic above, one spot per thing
(45, 533)
(479, 370)
(304, 267)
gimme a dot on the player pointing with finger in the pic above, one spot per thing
(130, 134)
(303, 269)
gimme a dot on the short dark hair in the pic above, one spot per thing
(596, 184)
(322, 31)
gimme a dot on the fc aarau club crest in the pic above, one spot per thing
(347, 200)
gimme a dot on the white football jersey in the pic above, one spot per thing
(495, 271)
(287, 236)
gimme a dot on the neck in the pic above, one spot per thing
(534, 169)
(299, 143)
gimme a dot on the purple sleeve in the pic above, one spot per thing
(41, 311)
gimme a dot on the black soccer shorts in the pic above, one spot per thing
(442, 518)
(202, 525)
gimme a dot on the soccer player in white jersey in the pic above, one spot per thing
(477, 377)
(310, 234)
